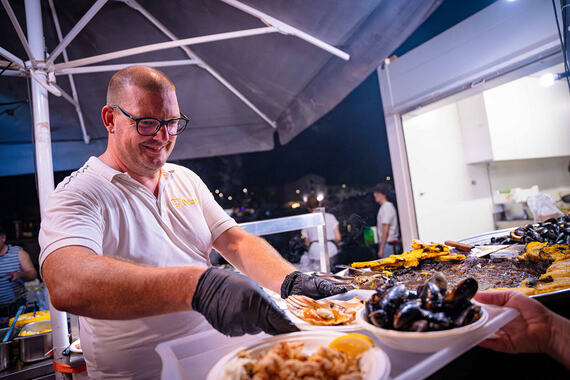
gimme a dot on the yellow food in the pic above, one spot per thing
(28, 333)
(42, 315)
(420, 251)
(352, 344)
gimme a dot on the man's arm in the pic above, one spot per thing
(254, 257)
(383, 239)
(83, 283)
(28, 272)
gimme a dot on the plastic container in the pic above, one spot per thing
(192, 357)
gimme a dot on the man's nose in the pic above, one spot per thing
(162, 134)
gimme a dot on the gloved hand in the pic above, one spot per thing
(314, 287)
(235, 305)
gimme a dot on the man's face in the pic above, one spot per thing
(144, 155)
(379, 197)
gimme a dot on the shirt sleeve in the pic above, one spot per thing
(70, 219)
(216, 218)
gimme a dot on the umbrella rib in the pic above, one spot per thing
(135, 5)
(18, 28)
(75, 30)
(120, 66)
(75, 98)
(164, 45)
(288, 29)
(17, 61)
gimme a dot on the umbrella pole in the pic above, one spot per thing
(43, 157)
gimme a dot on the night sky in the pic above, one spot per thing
(347, 145)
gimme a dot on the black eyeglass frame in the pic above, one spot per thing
(160, 122)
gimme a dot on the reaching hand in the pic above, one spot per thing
(235, 305)
(314, 287)
(529, 332)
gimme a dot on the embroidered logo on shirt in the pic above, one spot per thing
(177, 202)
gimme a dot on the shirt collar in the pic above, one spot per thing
(109, 173)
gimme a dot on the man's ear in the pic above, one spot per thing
(108, 117)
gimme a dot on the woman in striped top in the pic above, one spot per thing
(15, 268)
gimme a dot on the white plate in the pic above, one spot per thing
(76, 347)
(374, 364)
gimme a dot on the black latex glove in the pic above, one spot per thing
(235, 305)
(314, 287)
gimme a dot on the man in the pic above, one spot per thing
(386, 221)
(15, 268)
(125, 243)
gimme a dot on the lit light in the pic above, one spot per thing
(230, 198)
(298, 191)
(295, 205)
(387, 178)
(511, 1)
(267, 213)
(304, 198)
(547, 79)
(244, 190)
(221, 195)
(216, 191)
(320, 197)
(343, 186)
(242, 208)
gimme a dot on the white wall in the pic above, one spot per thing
(550, 174)
(527, 120)
(452, 199)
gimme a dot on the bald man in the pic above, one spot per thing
(125, 243)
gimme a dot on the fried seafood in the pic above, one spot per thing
(324, 312)
(287, 361)
(420, 251)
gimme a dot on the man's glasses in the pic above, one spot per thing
(149, 126)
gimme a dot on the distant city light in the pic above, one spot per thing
(304, 198)
(221, 195)
(295, 205)
(242, 208)
(230, 198)
(298, 191)
(267, 213)
(244, 190)
(387, 178)
(216, 191)
(343, 186)
(320, 197)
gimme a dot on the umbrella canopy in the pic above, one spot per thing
(243, 70)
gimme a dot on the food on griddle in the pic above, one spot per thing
(542, 268)
(431, 307)
(288, 361)
(553, 231)
(324, 312)
(420, 251)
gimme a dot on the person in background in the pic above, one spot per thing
(125, 243)
(15, 268)
(386, 221)
(311, 261)
(535, 330)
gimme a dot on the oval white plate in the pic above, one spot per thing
(374, 364)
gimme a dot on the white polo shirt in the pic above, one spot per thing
(116, 216)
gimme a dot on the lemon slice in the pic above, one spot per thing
(352, 344)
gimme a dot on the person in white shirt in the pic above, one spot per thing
(386, 221)
(311, 261)
(125, 243)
